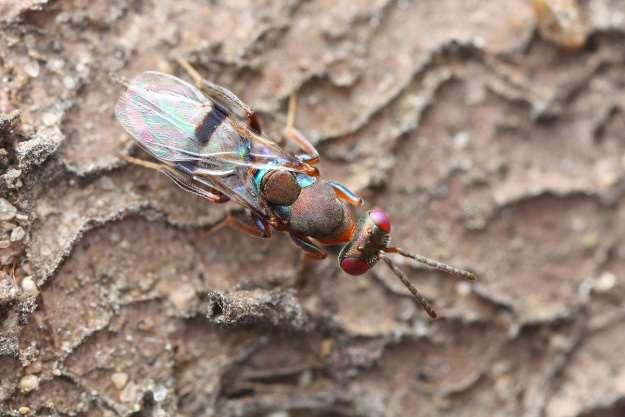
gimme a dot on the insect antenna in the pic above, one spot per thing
(417, 295)
(460, 273)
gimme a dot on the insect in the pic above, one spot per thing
(209, 142)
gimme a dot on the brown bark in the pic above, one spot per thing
(493, 140)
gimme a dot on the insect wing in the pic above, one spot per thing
(168, 117)
(161, 113)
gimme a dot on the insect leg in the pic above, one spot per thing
(183, 181)
(260, 228)
(222, 95)
(311, 155)
(186, 183)
(345, 194)
(141, 162)
(311, 250)
(290, 133)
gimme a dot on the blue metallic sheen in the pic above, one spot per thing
(345, 190)
(284, 212)
(304, 180)
(258, 178)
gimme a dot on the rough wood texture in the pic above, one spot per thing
(491, 141)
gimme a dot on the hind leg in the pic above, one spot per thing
(290, 133)
(223, 95)
(181, 180)
(260, 229)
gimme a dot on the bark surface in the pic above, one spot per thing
(493, 137)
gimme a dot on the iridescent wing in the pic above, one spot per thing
(175, 123)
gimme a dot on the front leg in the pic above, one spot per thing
(224, 96)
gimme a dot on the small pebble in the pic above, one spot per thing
(182, 296)
(50, 118)
(34, 368)
(24, 410)
(32, 69)
(69, 82)
(560, 21)
(159, 394)
(7, 211)
(29, 287)
(12, 180)
(461, 140)
(7, 226)
(29, 383)
(56, 64)
(119, 379)
(5, 243)
(605, 282)
(560, 343)
(17, 234)
(278, 414)
(325, 348)
(305, 379)
(590, 241)
(463, 288)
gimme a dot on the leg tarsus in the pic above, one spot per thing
(290, 116)
(140, 162)
(195, 76)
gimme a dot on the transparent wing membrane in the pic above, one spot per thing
(168, 117)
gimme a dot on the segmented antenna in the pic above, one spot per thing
(417, 295)
(460, 273)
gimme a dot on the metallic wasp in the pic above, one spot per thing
(209, 143)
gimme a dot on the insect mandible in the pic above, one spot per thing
(209, 143)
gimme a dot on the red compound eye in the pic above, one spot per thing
(381, 220)
(354, 266)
